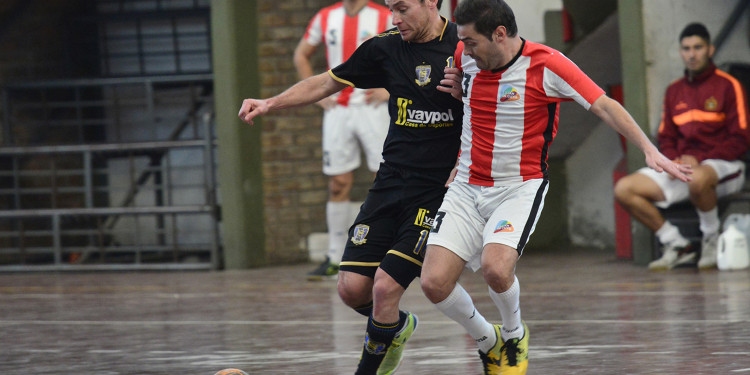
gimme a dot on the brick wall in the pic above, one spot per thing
(294, 185)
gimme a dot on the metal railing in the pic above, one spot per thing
(181, 232)
(93, 187)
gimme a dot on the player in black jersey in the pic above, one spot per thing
(386, 244)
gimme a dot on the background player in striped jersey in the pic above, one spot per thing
(511, 89)
(352, 117)
(387, 241)
(704, 124)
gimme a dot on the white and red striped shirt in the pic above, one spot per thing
(342, 34)
(511, 115)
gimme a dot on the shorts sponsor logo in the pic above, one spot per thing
(360, 234)
(423, 220)
(509, 94)
(504, 226)
(423, 74)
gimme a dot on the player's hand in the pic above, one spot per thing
(451, 82)
(660, 163)
(252, 108)
(326, 103)
(689, 160)
(375, 96)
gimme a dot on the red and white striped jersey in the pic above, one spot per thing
(511, 114)
(342, 34)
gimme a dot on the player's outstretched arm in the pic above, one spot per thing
(612, 113)
(304, 92)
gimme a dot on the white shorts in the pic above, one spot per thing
(472, 216)
(731, 179)
(345, 128)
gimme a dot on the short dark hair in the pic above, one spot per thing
(486, 15)
(696, 29)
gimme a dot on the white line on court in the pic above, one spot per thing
(340, 322)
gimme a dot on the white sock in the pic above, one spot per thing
(668, 234)
(709, 220)
(337, 218)
(459, 307)
(509, 304)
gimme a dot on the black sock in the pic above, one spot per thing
(365, 309)
(377, 340)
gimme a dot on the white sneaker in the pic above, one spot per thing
(708, 251)
(673, 256)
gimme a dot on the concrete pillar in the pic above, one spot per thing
(635, 90)
(234, 33)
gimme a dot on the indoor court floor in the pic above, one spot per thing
(587, 312)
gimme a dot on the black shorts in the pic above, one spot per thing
(391, 228)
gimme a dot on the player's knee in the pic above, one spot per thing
(435, 288)
(498, 278)
(353, 295)
(622, 190)
(385, 291)
(339, 188)
(700, 185)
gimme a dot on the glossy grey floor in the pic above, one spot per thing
(587, 312)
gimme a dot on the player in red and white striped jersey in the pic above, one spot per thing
(352, 117)
(511, 89)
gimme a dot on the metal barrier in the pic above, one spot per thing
(114, 227)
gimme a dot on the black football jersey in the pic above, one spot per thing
(425, 128)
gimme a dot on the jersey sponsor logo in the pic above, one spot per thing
(504, 226)
(416, 118)
(423, 74)
(360, 234)
(423, 220)
(509, 94)
(711, 104)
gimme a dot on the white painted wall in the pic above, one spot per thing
(529, 16)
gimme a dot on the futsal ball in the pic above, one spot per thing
(231, 371)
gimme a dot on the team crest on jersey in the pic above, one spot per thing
(711, 104)
(509, 94)
(423, 74)
(504, 226)
(360, 234)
